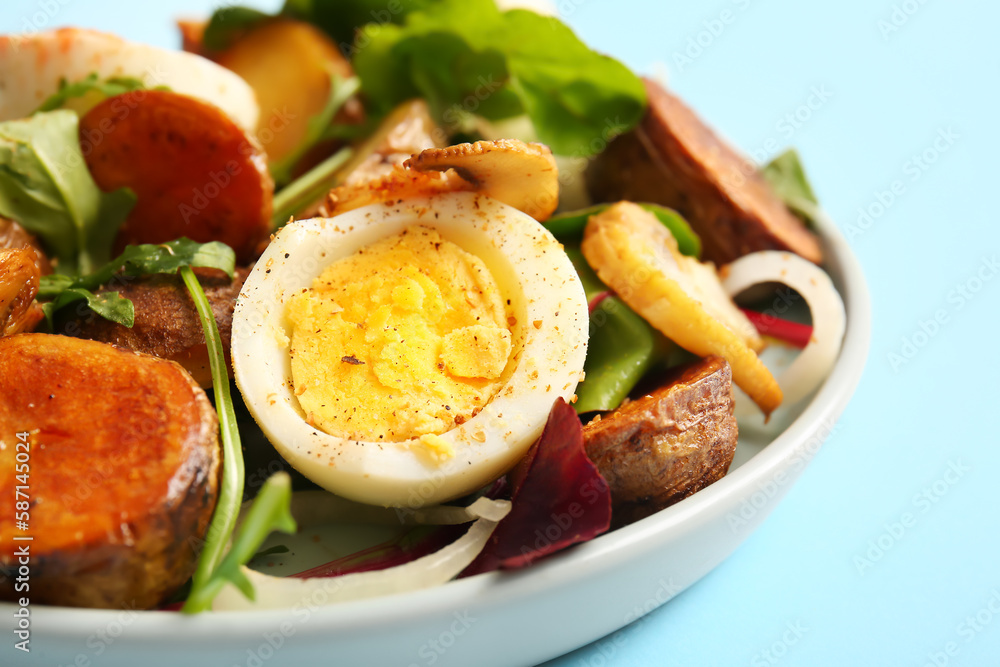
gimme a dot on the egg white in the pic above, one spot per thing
(32, 66)
(549, 348)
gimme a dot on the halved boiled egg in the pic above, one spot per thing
(33, 66)
(408, 353)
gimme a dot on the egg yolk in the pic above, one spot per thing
(404, 339)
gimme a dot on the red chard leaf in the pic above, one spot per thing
(558, 498)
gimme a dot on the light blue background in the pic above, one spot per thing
(890, 95)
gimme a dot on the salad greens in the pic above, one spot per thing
(467, 57)
(623, 347)
(61, 290)
(788, 178)
(45, 185)
(269, 512)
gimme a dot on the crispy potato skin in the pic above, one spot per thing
(18, 287)
(14, 237)
(124, 467)
(672, 158)
(166, 321)
(194, 171)
(660, 448)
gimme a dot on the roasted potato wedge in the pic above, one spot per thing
(288, 64)
(659, 449)
(194, 171)
(13, 237)
(166, 322)
(123, 458)
(673, 158)
(18, 287)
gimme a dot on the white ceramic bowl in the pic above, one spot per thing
(518, 618)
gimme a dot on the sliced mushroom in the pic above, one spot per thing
(521, 175)
(398, 184)
(18, 286)
(409, 129)
(635, 255)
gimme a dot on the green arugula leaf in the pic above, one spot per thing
(109, 305)
(465, 56)
(228, 23)
(271, 511)
(788, 178)
(140, 260)
(150, 258)
(46, 187)
(112, 87)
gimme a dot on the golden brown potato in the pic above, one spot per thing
(166, 322)
(122, 459)
(672, 158)
(194, 171)
(288, 64)
(13, 236)
(660, 448)
(18, 287)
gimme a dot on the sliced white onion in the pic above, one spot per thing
(315, 508)
(431, 570)
(813, 364)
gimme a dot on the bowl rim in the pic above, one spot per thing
(580, 563)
